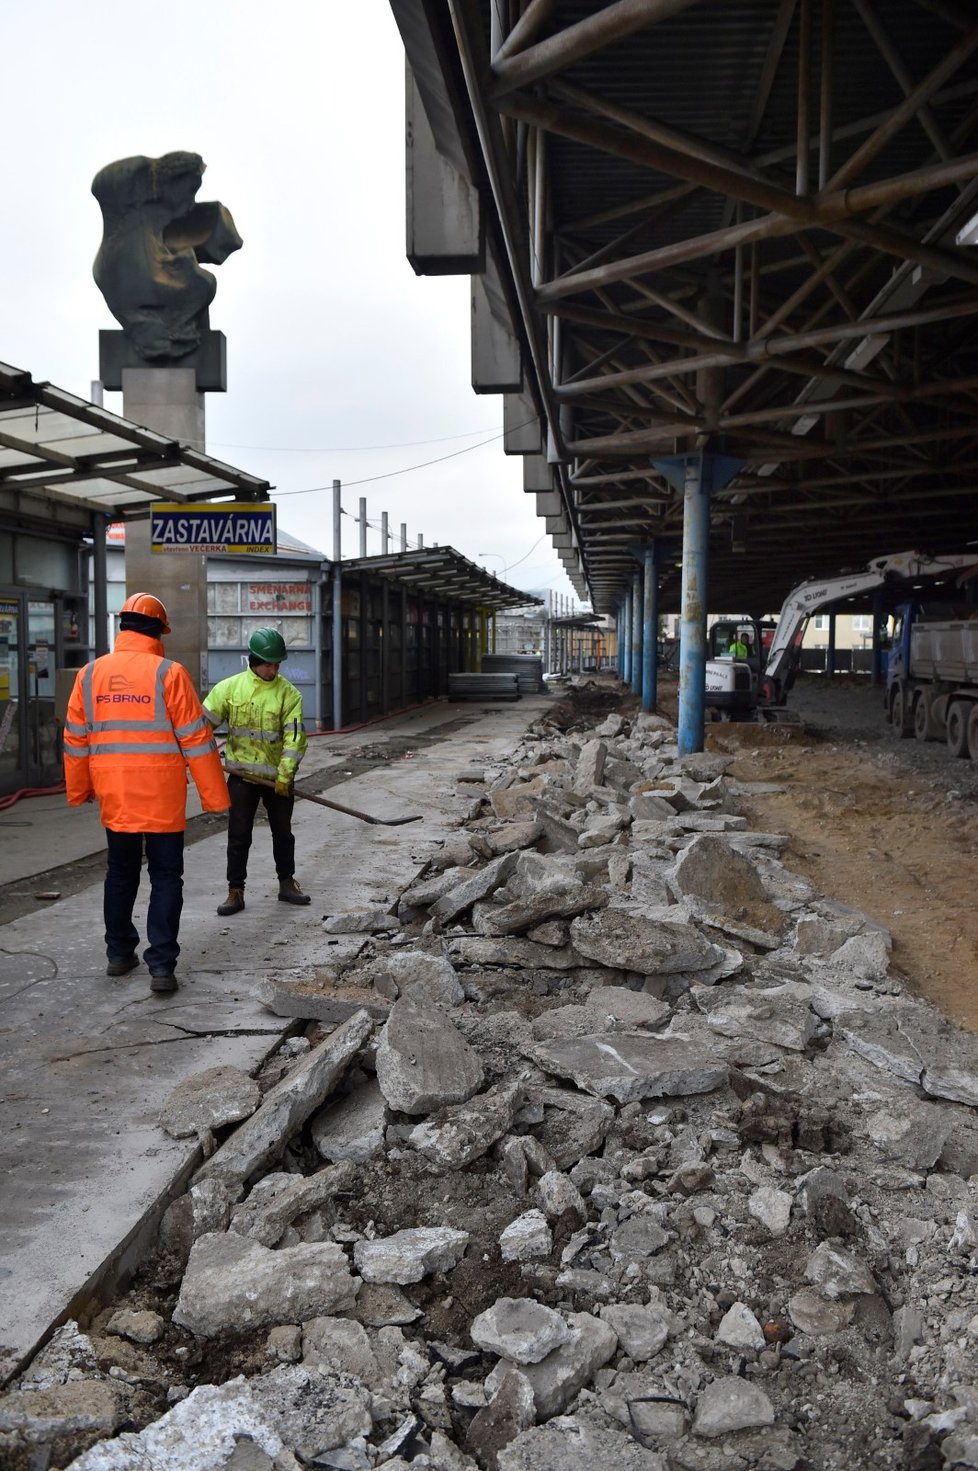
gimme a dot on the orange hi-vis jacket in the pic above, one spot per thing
(135, 727)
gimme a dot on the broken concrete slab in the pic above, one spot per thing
(363, 921)
(568, 1443)
(263, 1137)
(729, 1404)
(209, 1100)
(778, 1014)
(618, 937)
(454, 1137)
(724, 886)
(508, 950)
(352, 1127)
(303, 1194)
(470, 890)
(232, 1282)
(641, 1328)
(519, 1330)
(423, 1061)
(631, 1066)
(563, 1373)
(410, 1255)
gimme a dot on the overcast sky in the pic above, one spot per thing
(342, 364)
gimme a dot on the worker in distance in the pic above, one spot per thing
(134, 729)
(266, 740)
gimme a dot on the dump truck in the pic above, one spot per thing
(932, 675)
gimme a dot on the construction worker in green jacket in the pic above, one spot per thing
(266, 739)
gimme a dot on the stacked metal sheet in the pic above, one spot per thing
(528, 669)
(483, 687)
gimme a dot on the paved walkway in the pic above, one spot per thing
(86, 1061)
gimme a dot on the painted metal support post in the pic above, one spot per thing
(362, 518)
(637, 601)
(403, 536)
(100, 610)
(626, 672)
(385, 536)
(697, 475)
(650, 630)
(337, 619)
(620, 640)
(830, 651)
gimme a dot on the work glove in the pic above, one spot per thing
(283, 786)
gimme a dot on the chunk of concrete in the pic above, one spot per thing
(262, 1138)
(618, 937)
(729, 1404)
(616, 1008)
(837, 1273)
(303, 1194)
(363, 921)
(630, 1066)
(455, 1136)
(740, 1329)
(480, 886)
(353, 1127)
(519, 1329)
(509, 950)
(291, 1412)
(411, 1255)
(563, 1373)
(642, 1330)
(568, 1443)
(724, 885)
(423, 1061)
(232, 1283)
(589, 772)
(527, 1238)
(209, 1100)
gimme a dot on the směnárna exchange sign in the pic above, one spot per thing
(247, 528)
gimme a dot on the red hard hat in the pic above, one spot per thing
(150, 607)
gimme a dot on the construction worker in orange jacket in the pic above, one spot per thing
(135, 728)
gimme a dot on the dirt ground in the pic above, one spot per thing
(887, 825)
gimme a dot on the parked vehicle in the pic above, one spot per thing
(932, 675)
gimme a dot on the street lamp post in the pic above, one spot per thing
(501, 558)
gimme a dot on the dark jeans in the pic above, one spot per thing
(245, 797)
(164, 855)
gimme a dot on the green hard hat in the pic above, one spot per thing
(268, 645)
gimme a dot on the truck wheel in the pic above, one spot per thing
(957, 728)
(921, 718)
(898, 716)
(973, 732)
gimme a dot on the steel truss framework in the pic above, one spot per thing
(729, 226)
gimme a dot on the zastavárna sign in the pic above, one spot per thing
(245, 528)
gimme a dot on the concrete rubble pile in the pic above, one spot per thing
(612, 1142)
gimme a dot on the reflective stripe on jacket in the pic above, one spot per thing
(134, 728)
(266, 735)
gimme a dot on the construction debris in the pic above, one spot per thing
(615, 1142)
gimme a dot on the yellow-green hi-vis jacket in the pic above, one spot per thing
(266, 736)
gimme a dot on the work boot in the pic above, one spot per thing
(122, 967)
(233, 903)
(164, 982)
(290, 893)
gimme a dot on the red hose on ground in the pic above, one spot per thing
(12, 797)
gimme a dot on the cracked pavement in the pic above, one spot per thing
(86, 1061)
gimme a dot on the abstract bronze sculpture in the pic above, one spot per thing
(154, 238)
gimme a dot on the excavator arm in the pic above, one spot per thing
(812, 596)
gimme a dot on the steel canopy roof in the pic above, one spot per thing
(61, 451)
(442, 572)
(729, 226)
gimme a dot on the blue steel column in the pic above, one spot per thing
(698, 475)
(637, 632)
(692, 628)
(650, 631)
(626, 672)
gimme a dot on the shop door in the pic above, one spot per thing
(43, 733)
(13, 758)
